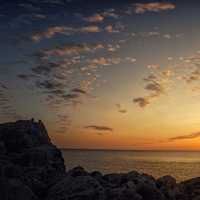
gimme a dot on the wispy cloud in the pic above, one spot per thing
(94, 18)
(157, 84)
(120, 109)
(142, 101)
(186, 137)
(99, 128)
(52, 31)
(141, 8)
(99, 17)
(70, 49)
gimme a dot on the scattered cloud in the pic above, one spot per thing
(70, 96)
(70, 49)
(65, 30)
(186, 137)
(100, 17)
(141, 8)
(49, 33)
(99, 128)
(80, 91)
(94, 18)
(120, 109)
(167, 36)
(193, 76)
(157, 84)
(90, 29)
(142, 101)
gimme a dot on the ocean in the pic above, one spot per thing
(180, 164)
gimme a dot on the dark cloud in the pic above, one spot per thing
(99, 128)
(142, 101)
(49, 85)
(155, 87)
(186, 137)
(156, 84)
(7, 109)
(77, 90)
(45, 68)
(70, 96)
(120, 109)
(26, 77)
(194, 76)
(3, 86)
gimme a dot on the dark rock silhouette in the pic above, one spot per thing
(29, 162)
(32, 168)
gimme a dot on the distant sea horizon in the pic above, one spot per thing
(180, 164)
(90, 149)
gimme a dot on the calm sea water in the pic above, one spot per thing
(181, 165)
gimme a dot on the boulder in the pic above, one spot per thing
(169, 187)
(114, 180)
(125, 192)
(14, 189)
(78, 171)
(191, 188)
(140, 179)
(76, 188)
(148, 192)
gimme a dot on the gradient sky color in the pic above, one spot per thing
(103, 74)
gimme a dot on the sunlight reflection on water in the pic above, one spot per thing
(181, 165)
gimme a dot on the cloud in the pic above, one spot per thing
(3, 86)
(49, 33)
(102, 61)
(157, 84)
(45, 68)
(99, 128)
(120, 109)
(186, 137)
(52, 31)
(99, 17)
(141, 8)
(110, 13)
(94, 18)
(167, 36)
(155, 87)
(90, 29)
(141, 101)
(7, 109)
(49, 85)
(70, 96)
(80, 91)
(25, 76)
(194, 76)
(70, 49)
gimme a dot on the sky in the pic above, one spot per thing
(103, 74)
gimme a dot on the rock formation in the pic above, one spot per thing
(29, 162)
(32, 168)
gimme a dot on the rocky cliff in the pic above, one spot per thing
(32, 168)
(29, 162)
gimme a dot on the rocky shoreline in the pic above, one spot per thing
(32, 168)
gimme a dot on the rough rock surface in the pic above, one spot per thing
(29, 162)
(32, 168)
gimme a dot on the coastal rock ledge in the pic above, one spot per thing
(32, 168)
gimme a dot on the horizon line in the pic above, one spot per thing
(90, 149)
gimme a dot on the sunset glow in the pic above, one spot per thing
(105, 75)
